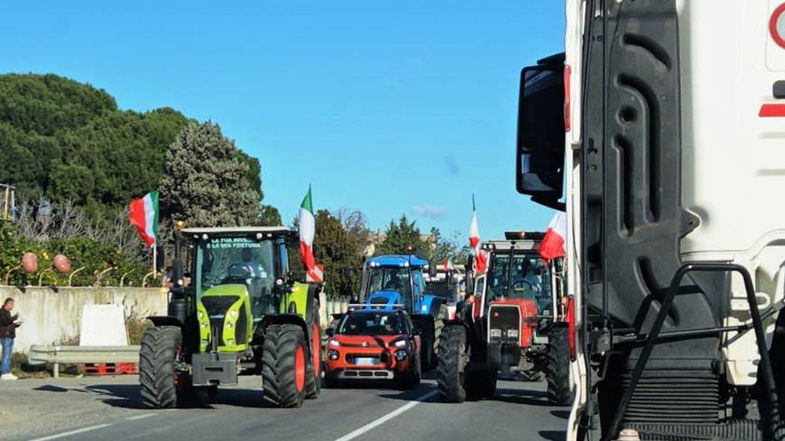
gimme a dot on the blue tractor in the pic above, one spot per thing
(397, 281)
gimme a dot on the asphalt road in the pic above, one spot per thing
(101, 408)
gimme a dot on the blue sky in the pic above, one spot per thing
(387, 107)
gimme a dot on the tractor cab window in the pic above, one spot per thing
(527, 278)
(236, 260)
(372, 324)
(419, 283)
(390, 278)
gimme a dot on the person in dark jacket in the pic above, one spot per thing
(8, 325)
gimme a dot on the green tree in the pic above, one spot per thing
(404, 237)
(339, 253)
(206, 180)
(270, 216)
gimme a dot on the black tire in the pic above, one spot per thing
(279, 370)
(313, 383)
(427, 354)
(451, 364)
(557, 368)
(157, 371)
(331, 381)
(438, 325)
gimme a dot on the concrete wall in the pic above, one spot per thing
(53, 315)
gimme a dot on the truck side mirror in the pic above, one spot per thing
(539, 156)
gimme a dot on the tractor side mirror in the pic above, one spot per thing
(330, 332)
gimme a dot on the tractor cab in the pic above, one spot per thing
(396, 280)
(237, 278)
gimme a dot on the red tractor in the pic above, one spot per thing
(516, 326)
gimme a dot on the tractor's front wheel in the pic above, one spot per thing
(557, 369)
(284, 365)
(451, 364)
(158, 378)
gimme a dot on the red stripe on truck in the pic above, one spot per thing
(772, 111)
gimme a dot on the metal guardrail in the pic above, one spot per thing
(55, 355)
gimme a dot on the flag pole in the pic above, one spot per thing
(155, 272)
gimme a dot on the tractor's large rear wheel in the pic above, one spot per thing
(313, 383)
(157, 371)
(557, 369)
(451, 364)
(284, 365)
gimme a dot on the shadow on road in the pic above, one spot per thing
(553, 435)
(125, 396)
(522, 396)
(563, 414)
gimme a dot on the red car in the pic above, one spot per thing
(373, 344)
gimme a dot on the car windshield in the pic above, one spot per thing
(225, 260)
(372, 324)
(527, 279)
(390, 278)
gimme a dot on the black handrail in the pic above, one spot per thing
(766, 370)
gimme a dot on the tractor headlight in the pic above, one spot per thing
(229, 325)
(401, 354)
(204, 324)
(200, 315)
(230, 342)
(512, 333)
(332, 354)
(496, 332)
(400, 344)
(333, 343)
(234, 314)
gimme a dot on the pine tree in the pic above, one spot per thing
(206, 182)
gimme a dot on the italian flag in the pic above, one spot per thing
(552, 245)
(307, 231)
(144, 216)
(480, 259)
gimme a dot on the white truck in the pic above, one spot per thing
(661, 131)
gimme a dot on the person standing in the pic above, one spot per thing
(8, 325)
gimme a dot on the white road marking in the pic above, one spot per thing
(139, 417)
(388, 417)
(72, 432)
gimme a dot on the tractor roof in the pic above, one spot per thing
(397, 260)
(236, 231)
(504, 245)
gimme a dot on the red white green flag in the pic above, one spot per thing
(144, 216)
(307, 232)
(480, 259)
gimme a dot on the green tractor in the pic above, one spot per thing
(235, 311)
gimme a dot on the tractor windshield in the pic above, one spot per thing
(235, 260)
(528, 278)
(390, 278)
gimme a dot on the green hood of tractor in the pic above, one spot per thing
(225, 310)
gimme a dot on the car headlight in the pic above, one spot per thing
(496, 332)
(512, 333)
(400, 344)
(333, 343)
(332, 354)
(400, 354)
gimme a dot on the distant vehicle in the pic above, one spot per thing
(517, 325)
(446, 285)
(373, 344)
(398, 281)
